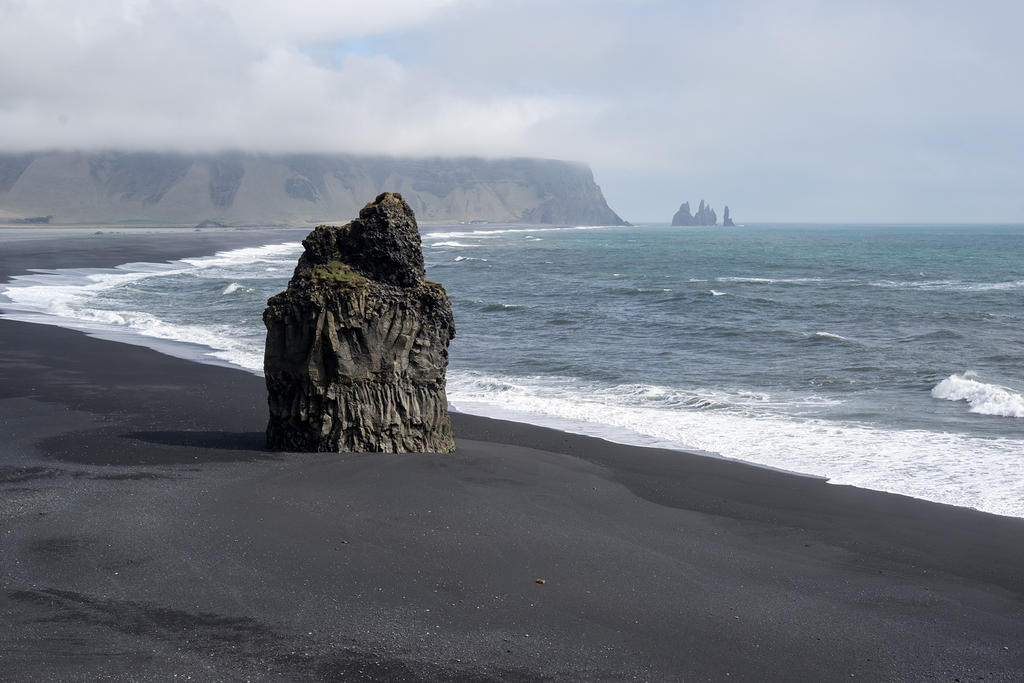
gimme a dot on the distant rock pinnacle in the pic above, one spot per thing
(705, 215)
(683, 216)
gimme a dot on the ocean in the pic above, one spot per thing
(883, 356)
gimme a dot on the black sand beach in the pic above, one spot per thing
(145, 534)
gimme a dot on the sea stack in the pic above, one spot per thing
(357, 346)
(682, 216)
(705, 215)
(727, 219)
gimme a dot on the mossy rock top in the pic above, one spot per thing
(382, 245)
(338, 273)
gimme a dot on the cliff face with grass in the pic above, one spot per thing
(357, 346)
(112, 187)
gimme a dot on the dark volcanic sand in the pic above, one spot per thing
(144, 533)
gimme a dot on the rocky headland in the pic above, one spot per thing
(108, 187)
(357, 346)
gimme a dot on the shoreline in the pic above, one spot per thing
(147, 530)
(215, 239)
(140, 227)
(165, 244)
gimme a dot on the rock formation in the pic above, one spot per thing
(705, 215)
(726, 219)
(357, 346)
(235, 188)
(683, 216)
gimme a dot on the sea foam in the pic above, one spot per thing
(487, 234)
(983, 398)
(759, 429)
(829, 336)
(68, 297)
(248, 255)
(950, 285)
(770, 281)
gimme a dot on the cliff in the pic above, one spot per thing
(296, 189)
(357, 346)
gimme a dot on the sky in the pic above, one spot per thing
(787, 110)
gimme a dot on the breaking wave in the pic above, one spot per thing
(760, 429)
(430, 236)
(829, 336)
(983, 398)
(950, 285)
(770, 281)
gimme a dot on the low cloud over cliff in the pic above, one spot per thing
(796, 108)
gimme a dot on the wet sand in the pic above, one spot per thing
(146, 533)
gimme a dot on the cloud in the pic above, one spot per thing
(749, 102)
(272, 21)
(227, 75)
